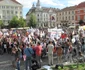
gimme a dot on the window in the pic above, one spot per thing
(3, 16)
(2, 7)
(72, 12)
(16, 12)
(11, 12)
(78, 11)
(7, 11)
(84, 17)
(78, 17)
(72, 17)
(38, 20)
(16, 7)
(69, 12)
(69, 17)
(38, 15)
(66, 12)
(66, 18)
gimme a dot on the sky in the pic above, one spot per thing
(27, 4)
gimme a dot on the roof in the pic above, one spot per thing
(48, 9)
(14, 1)
(81, 5)
(43, 9)
(69, 8)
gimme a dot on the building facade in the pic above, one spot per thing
(66, 16)
(46, 17)
(80, 12)
(9, 9)
(51, 17)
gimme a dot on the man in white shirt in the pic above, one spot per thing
(50, 53)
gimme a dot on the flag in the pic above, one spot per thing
(52, 18)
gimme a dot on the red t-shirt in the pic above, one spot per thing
(38, 50)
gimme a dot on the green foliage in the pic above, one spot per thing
(14, 22)
(1, 23)
(22, 22)
(32, 20)
(71, 67)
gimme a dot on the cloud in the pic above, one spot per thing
(76, 2)
(28, 3)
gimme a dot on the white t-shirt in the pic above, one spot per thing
(50, 48)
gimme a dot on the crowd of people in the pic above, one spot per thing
(31, 45)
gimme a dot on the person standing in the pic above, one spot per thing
(28, 51)
(38, 50)
(59, 54)
(50, 48)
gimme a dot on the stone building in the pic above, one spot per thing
(8, 9)
(66, 16)
(46, 17)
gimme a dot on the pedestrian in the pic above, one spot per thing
(59, 54)
(16, 61)
(50, 48)
(38, 51)
(28, 51)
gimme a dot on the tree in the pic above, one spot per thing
(32, 20)
(14, 22)
(22, 22)
(1, 24)
(81, 22)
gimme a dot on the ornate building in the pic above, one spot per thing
(8, 9)
(51, 17)
(46, 17)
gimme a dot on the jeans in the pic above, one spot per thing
(18, 65)
(38, 58)
(28, 63)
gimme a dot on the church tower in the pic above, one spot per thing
(33, 5)
(38, 4)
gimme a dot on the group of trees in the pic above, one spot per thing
(15, 22)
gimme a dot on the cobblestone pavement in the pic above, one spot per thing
(5, 62)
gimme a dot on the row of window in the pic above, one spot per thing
(44, 15)
(65, 13)
(11, 12)
(10, 7)
(45, 19)
(78, 18)
(80, 11)
(8, 17)
(65, 18)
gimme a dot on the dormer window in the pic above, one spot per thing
(78, 11)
